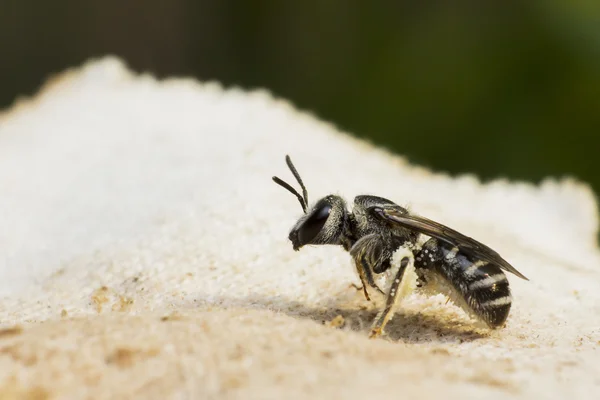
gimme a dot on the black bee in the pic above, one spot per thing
(468, 272)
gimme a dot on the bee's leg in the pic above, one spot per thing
(362, 288)
(364, 280)
(366, 277)
(365, 292)
(387, 313)
(359, 252)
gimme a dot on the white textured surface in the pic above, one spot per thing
(161, 192)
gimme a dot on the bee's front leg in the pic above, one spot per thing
(392, 297)
(361, 288)
(366, 277)
(361, 252)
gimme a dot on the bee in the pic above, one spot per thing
(467, 271)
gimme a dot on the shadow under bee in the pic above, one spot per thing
(406, 326)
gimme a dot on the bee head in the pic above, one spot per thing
(321, 224)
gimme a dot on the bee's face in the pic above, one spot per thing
(322, 224)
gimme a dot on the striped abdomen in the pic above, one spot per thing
(477, 286)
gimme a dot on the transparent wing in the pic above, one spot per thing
(441, 232)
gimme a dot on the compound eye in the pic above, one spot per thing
(313, 225)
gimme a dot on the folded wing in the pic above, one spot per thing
(441, 232)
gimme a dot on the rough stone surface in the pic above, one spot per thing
(144, 253)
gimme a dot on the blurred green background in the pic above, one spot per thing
(499, 88)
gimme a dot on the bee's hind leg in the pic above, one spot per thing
(392, 297)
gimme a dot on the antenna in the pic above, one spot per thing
(302, 199)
